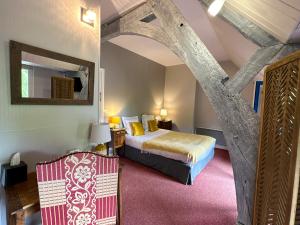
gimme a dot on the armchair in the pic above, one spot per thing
(80, 188)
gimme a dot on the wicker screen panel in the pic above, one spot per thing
(297, 216)
(275, 186)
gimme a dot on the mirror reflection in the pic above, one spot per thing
(43, 77)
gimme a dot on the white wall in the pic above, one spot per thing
(179, 100)
(39, 132)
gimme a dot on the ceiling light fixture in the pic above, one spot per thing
(88, 16)
(215, 7)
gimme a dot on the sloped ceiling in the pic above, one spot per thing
(278, 17)
(238, 48)
(154, 51)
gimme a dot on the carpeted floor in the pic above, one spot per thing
(151, 198)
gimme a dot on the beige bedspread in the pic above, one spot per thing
(190, 145)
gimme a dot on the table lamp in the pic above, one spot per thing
(114, 121)
(163, 114)
(100, 135)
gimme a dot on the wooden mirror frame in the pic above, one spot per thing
(16, 50)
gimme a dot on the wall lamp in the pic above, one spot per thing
(88, 16)
(215, 7)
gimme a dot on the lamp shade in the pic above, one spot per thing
(100, 133)
(163, 112)
(115, 119)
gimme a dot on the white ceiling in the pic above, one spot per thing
(279, 17)
(155, 51)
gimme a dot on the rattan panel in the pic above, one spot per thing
(278, 144)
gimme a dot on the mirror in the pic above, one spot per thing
(39, 76)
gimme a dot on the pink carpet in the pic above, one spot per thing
(151, 198)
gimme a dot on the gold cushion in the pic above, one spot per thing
(152, 124)
(137, 129)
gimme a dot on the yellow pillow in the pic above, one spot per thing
(137, 129)
(152, 125)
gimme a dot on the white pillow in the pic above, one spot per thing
(126, 123)
(145, 119)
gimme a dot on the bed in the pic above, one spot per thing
(153, 150)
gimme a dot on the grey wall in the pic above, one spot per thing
(133, 84)
(179, 100)
(40, 132)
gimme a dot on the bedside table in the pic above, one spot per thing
(117, 139)
(167, 124)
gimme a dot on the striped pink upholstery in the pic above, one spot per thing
(79, 189)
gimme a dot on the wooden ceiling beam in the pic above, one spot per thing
(284, 51)
(256, 63)
(110, 30)
(113, 28)
(261, 58)
(246, 27)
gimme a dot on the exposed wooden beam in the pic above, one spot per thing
(238, 121)
(246, 27)
(138, 13)
(110, 30)
(256, 63)
(286, 50)
(113, 28)
(146, 30)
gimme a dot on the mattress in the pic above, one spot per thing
(137, 142)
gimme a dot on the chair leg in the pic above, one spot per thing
(107, 149)
(119, 200)
(20, 218)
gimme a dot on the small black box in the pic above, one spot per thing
(14, 174)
